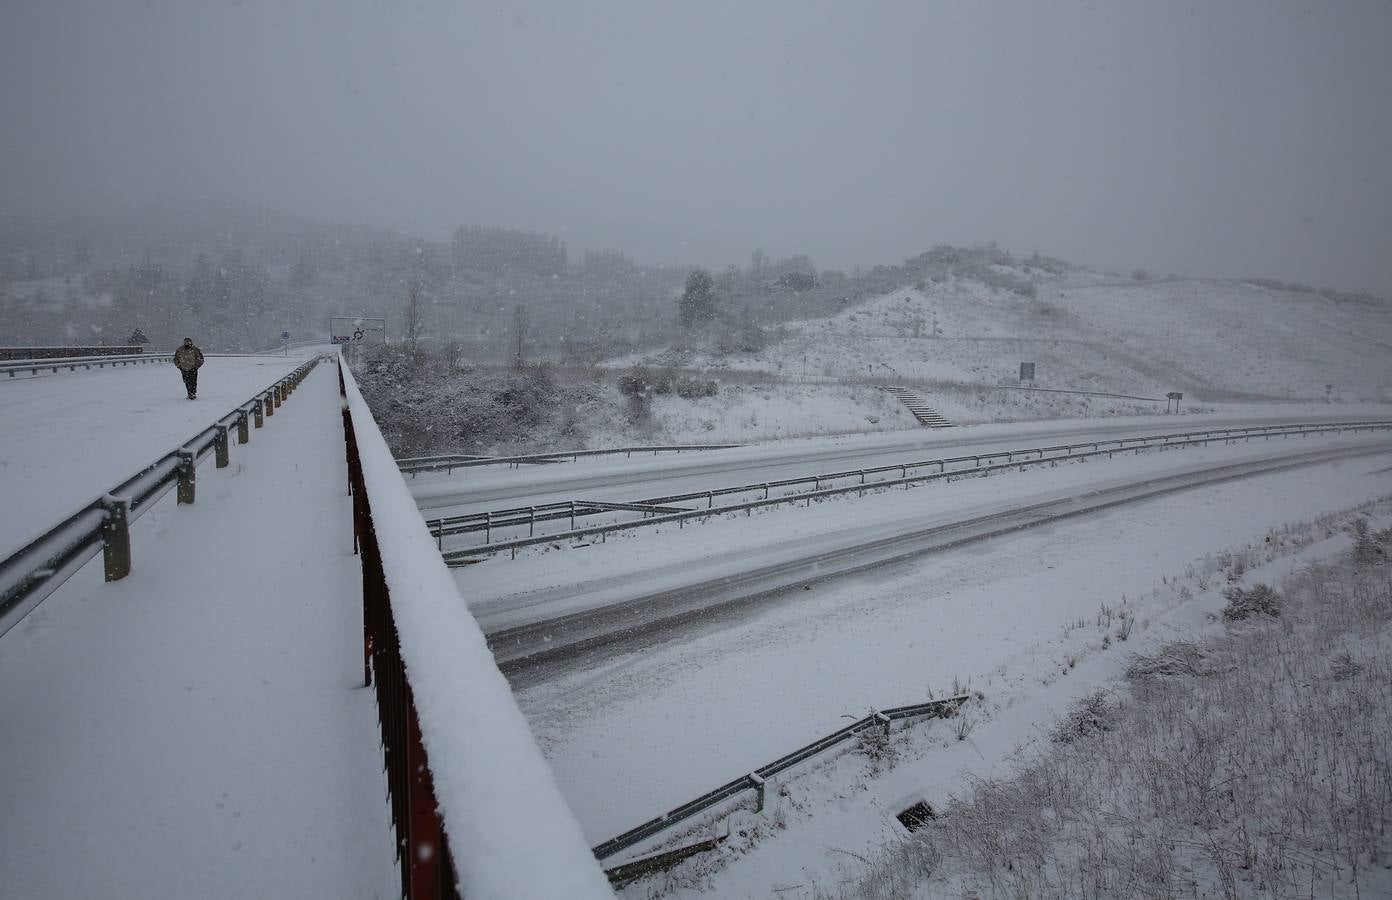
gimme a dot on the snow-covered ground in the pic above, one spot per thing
(68, 437)
(199, 728)
(1212, 339)
(646, 732)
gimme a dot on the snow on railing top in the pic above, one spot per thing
(510, 831)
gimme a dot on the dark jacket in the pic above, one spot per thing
(188, 358)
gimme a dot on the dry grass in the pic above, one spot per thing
(1259, 765)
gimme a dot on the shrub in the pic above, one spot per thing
(1177, 658)
(1093, 714)
(1244, 603)
(691, 388)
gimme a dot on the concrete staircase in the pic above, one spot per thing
(926, 415)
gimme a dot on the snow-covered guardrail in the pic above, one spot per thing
(24, 354)
(475, 806)
(451, 461)
(755, 781)
(35, 366)
(36, 570)
(659, 510)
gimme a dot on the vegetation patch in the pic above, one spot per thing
(1257, 765)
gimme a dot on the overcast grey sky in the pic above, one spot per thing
(1238, 137)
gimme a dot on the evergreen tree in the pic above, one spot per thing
(697, 303)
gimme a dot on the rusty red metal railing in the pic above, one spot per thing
(422, 849)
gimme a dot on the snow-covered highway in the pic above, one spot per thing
(618, 478)
(605, 596)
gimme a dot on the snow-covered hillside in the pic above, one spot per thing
(1213, 340)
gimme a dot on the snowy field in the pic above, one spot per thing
(71, 436)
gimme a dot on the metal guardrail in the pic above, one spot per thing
(1016, 387)
(35, 571)
(982, 464)
(422, 844)
(449, 462)
(757, 780)
(24, 354)
(35, 366)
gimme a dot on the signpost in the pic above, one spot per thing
(356, 331)
(285, 343)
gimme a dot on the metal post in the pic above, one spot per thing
(425, 851)
(186, 475)
(531, 521)
(279, 394)
(220, 446)
(116, 558)
(257, 412)
(269, 403)
(243, 429)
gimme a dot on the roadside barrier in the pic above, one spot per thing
(510, 833)
(35, 366)
(757, 782)
(35, 571)
(660, 510)
(25, 354)
(452, 461)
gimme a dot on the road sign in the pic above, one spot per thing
(285, 335)
(357, 330)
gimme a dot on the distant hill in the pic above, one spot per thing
(1212, 339)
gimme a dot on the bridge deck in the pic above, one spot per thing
(199, 729)
(68, 437)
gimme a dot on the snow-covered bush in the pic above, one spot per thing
(1260, 599)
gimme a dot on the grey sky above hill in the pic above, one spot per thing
(1243, 137)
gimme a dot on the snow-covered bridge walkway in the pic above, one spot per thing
(200, 728)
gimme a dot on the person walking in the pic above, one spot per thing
(189, 358)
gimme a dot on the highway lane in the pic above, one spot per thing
(619, 479)
(539, 634)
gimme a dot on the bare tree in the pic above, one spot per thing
(413, 314)
(519, 334)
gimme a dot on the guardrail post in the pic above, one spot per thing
(279, 394)
(269, 405)
(116, 558)
(186, 475)
(256, 413)
(220, 446)
(760, 785)
(243, 429)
